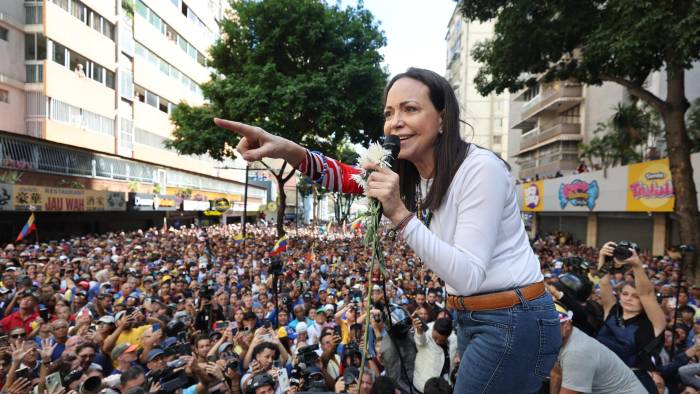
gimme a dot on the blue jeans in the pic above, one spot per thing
(507, 350)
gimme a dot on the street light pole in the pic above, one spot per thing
(245, 199)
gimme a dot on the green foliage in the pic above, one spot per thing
(10, 177)
(590, 40)
(694, 125)
(623, 139)
(128, 7)
(301, 69)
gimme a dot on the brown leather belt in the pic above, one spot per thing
(490, 301)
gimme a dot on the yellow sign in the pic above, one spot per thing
(533, 196)
(212, 213)
(649, 187)
(210, 196)
(57, 199)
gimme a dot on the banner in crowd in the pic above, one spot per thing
(649, 187)
(58, 199)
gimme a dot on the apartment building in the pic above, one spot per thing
(86, 91)
(550, 119)
(486, 117)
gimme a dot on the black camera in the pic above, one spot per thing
(307, 356)
(622, 250)
(276, 265)
(206, 292)
(620, 253)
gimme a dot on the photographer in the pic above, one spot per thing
(398, 348)
(437, 346)
(263, 354)
(632, 325)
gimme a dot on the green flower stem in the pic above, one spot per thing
(371, 241)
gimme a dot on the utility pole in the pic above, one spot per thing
(245, 200)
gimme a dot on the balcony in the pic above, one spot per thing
(549, 165)
(555, 99)
(558, 131)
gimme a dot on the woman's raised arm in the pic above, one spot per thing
(257, 144)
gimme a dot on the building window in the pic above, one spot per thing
(109, 79)
(496, 139)
(35, 73)
(34, 46)
(532, 93)
(87, 16)
(59, 54)
(4, 96)
(151, 99)
(33, 14)
(82, 66)
(140, 93)
(4, 33)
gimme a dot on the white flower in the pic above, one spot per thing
(376, 154)
(360, 179)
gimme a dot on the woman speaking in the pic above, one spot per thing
(455, 204)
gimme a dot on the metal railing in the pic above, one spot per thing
(20, 154)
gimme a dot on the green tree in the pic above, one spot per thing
(303, 69)
(624, 138)
(694, 125)
(593, 41)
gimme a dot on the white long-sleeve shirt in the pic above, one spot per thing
(477, 241)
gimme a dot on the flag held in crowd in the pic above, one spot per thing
(280, 246)
(357, 223)
(27, 229)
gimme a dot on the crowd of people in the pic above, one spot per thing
(203, 310)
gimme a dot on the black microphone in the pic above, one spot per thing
(392, 143)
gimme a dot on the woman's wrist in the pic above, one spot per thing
(294, 153)
(400, 216)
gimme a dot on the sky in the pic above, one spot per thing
(415, 32)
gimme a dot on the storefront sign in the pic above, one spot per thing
(212, 213)
(57, 199)
(116, 201)
(221, 205)
(533, 195)
(649, 187)
(151, 202)
(579, 194)
(5, 197)
(192, 205)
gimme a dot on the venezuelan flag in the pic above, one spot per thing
(357, 223)
(238, 238)
(27, 229)
(280, 246)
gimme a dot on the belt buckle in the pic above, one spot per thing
(461, 303)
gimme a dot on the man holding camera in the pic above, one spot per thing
(436, 346)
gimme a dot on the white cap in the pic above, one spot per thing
(301, 328)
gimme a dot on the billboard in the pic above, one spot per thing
(58, 199)
(649, 187)
(532, 196)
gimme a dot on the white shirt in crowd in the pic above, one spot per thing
(587, 366)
